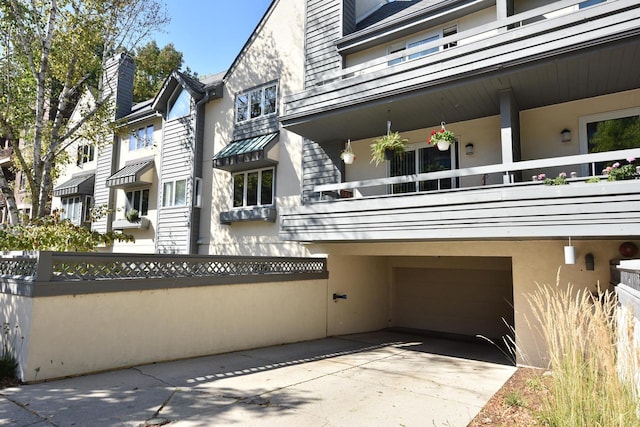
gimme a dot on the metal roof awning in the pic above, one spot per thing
(244, 153)
(135, 173)
(80, 184)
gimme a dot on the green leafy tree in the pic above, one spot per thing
(617, 134)
(51, 233)
(53, 54)
(153, 65)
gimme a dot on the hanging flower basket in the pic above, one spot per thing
(387, 145)
(347, 154)
(441, 138)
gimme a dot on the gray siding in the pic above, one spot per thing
(604, 209)
(173, 233)
(321, 165)
(118, 78)
(324, 27)
(348, 17)
(256, 127)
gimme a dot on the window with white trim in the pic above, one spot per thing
(418, 41)
(257, 103)
(86, 154)
(610, 131)
(174, 193)
(253, 188)
(138, 200)
(179, 104)
(141, 138)
(71, 208)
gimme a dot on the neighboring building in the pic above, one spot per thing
(452, 241)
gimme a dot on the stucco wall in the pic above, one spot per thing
(533, 262)
(15, 312)
(77, 334)
(274, 54)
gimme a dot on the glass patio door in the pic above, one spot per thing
(421, 160)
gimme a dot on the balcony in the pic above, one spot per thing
(511, 210)
(552, 54)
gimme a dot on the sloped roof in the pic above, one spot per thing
(211, 88)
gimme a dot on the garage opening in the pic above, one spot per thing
(457, 297)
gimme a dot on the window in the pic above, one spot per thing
(174, 193)
(138, 200)
(86, 153)
(611, 131)
(256, 103)
(179, 105)
(71, 208)
(197, 193)
(141, 138)
(412, 43)
(253, 188)
(421, 160)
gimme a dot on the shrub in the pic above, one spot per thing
(8, 361)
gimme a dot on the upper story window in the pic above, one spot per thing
(179, 104)
(141, 138)
(256, 103)
(253, 188)
(174, 193)
(86, 153)
(418, 41)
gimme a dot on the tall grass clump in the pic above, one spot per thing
(581, 333)
(8, 361)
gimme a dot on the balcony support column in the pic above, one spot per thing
(509, 130)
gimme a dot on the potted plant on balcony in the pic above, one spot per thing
(347, 154)
(442, 138)
(132, 215)
(385, 147)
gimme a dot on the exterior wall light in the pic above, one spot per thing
(468, 149)
(589, 262)
(570, 253)
(565, 135)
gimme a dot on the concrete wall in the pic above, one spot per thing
(533, 262)
(76, 334)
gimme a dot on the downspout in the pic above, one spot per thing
(193, 245)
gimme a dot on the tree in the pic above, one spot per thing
(153, 65)
(54, 52)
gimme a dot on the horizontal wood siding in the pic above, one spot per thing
(588, 28)
(324, 27)
(321, 165)
(256, 127)
(102, 195)
(605, 209)
(178, 156)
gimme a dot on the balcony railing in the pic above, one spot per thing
(583, 164)
(555, 27)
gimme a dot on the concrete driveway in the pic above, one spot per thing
(372, 379)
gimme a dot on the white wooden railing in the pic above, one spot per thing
(582, 161)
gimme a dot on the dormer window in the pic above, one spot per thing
(179, 104)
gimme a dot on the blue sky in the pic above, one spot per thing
(210, 33)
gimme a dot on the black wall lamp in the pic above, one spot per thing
(590, 262)
(565, 135)
(468, 149)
